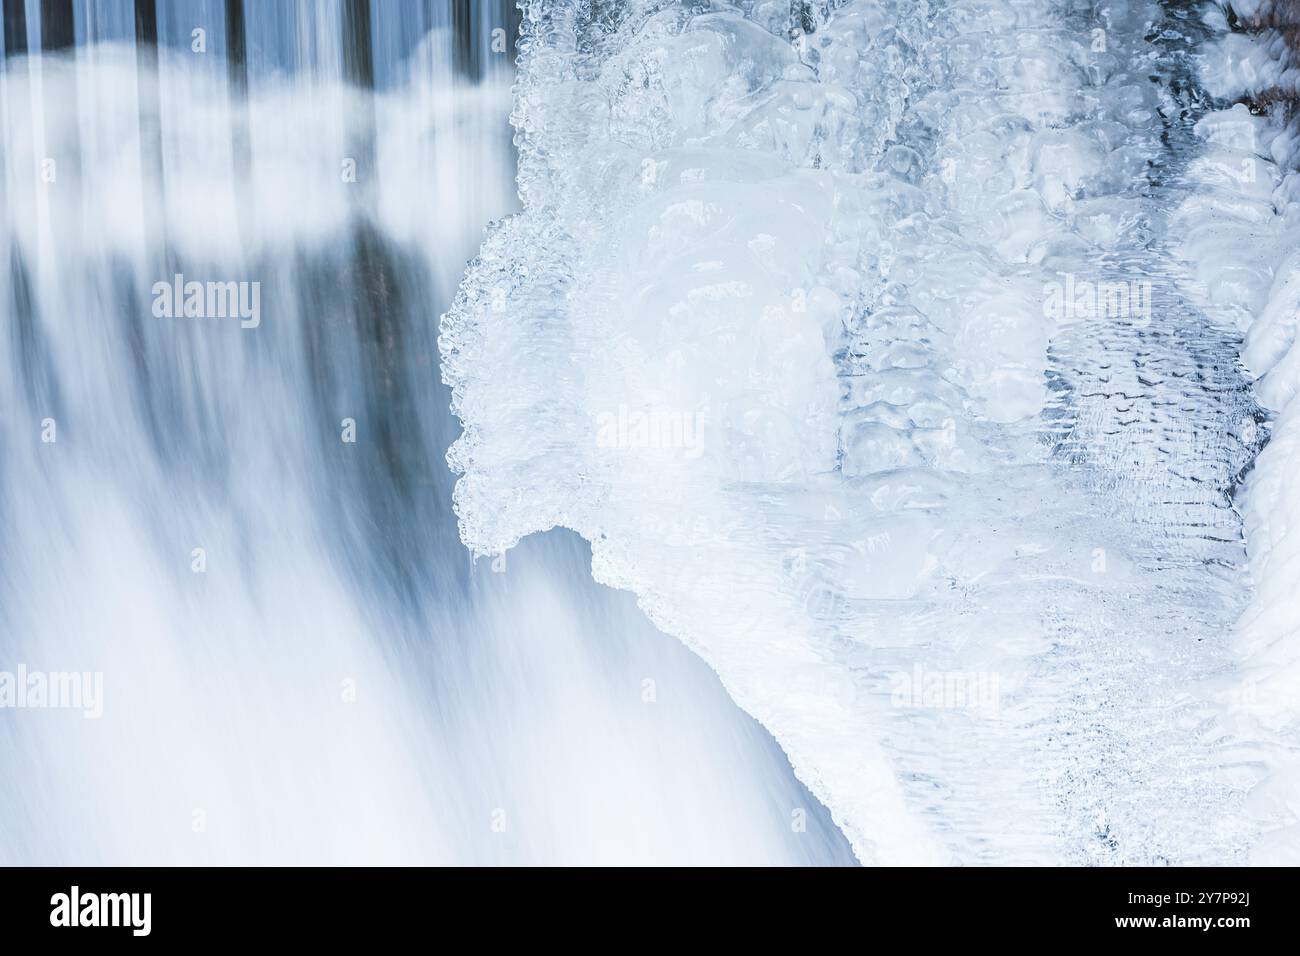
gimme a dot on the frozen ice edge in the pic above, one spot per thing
(1241, 230)
(527, 347)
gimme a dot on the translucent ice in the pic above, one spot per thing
(958, 528)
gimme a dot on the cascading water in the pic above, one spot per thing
(233, 507)
(906, 359)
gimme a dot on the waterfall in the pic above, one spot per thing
(648, 431)
(228, 232)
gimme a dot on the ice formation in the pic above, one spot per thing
(1241, 233)
(942, 289)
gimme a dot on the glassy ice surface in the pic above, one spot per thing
(884, 351)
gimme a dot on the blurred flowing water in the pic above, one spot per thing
(300, 661)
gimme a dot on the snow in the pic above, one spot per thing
(1244, 230)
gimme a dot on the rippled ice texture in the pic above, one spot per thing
(789, 329)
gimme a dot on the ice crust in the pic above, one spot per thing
(828, 245)
(1241, 232)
